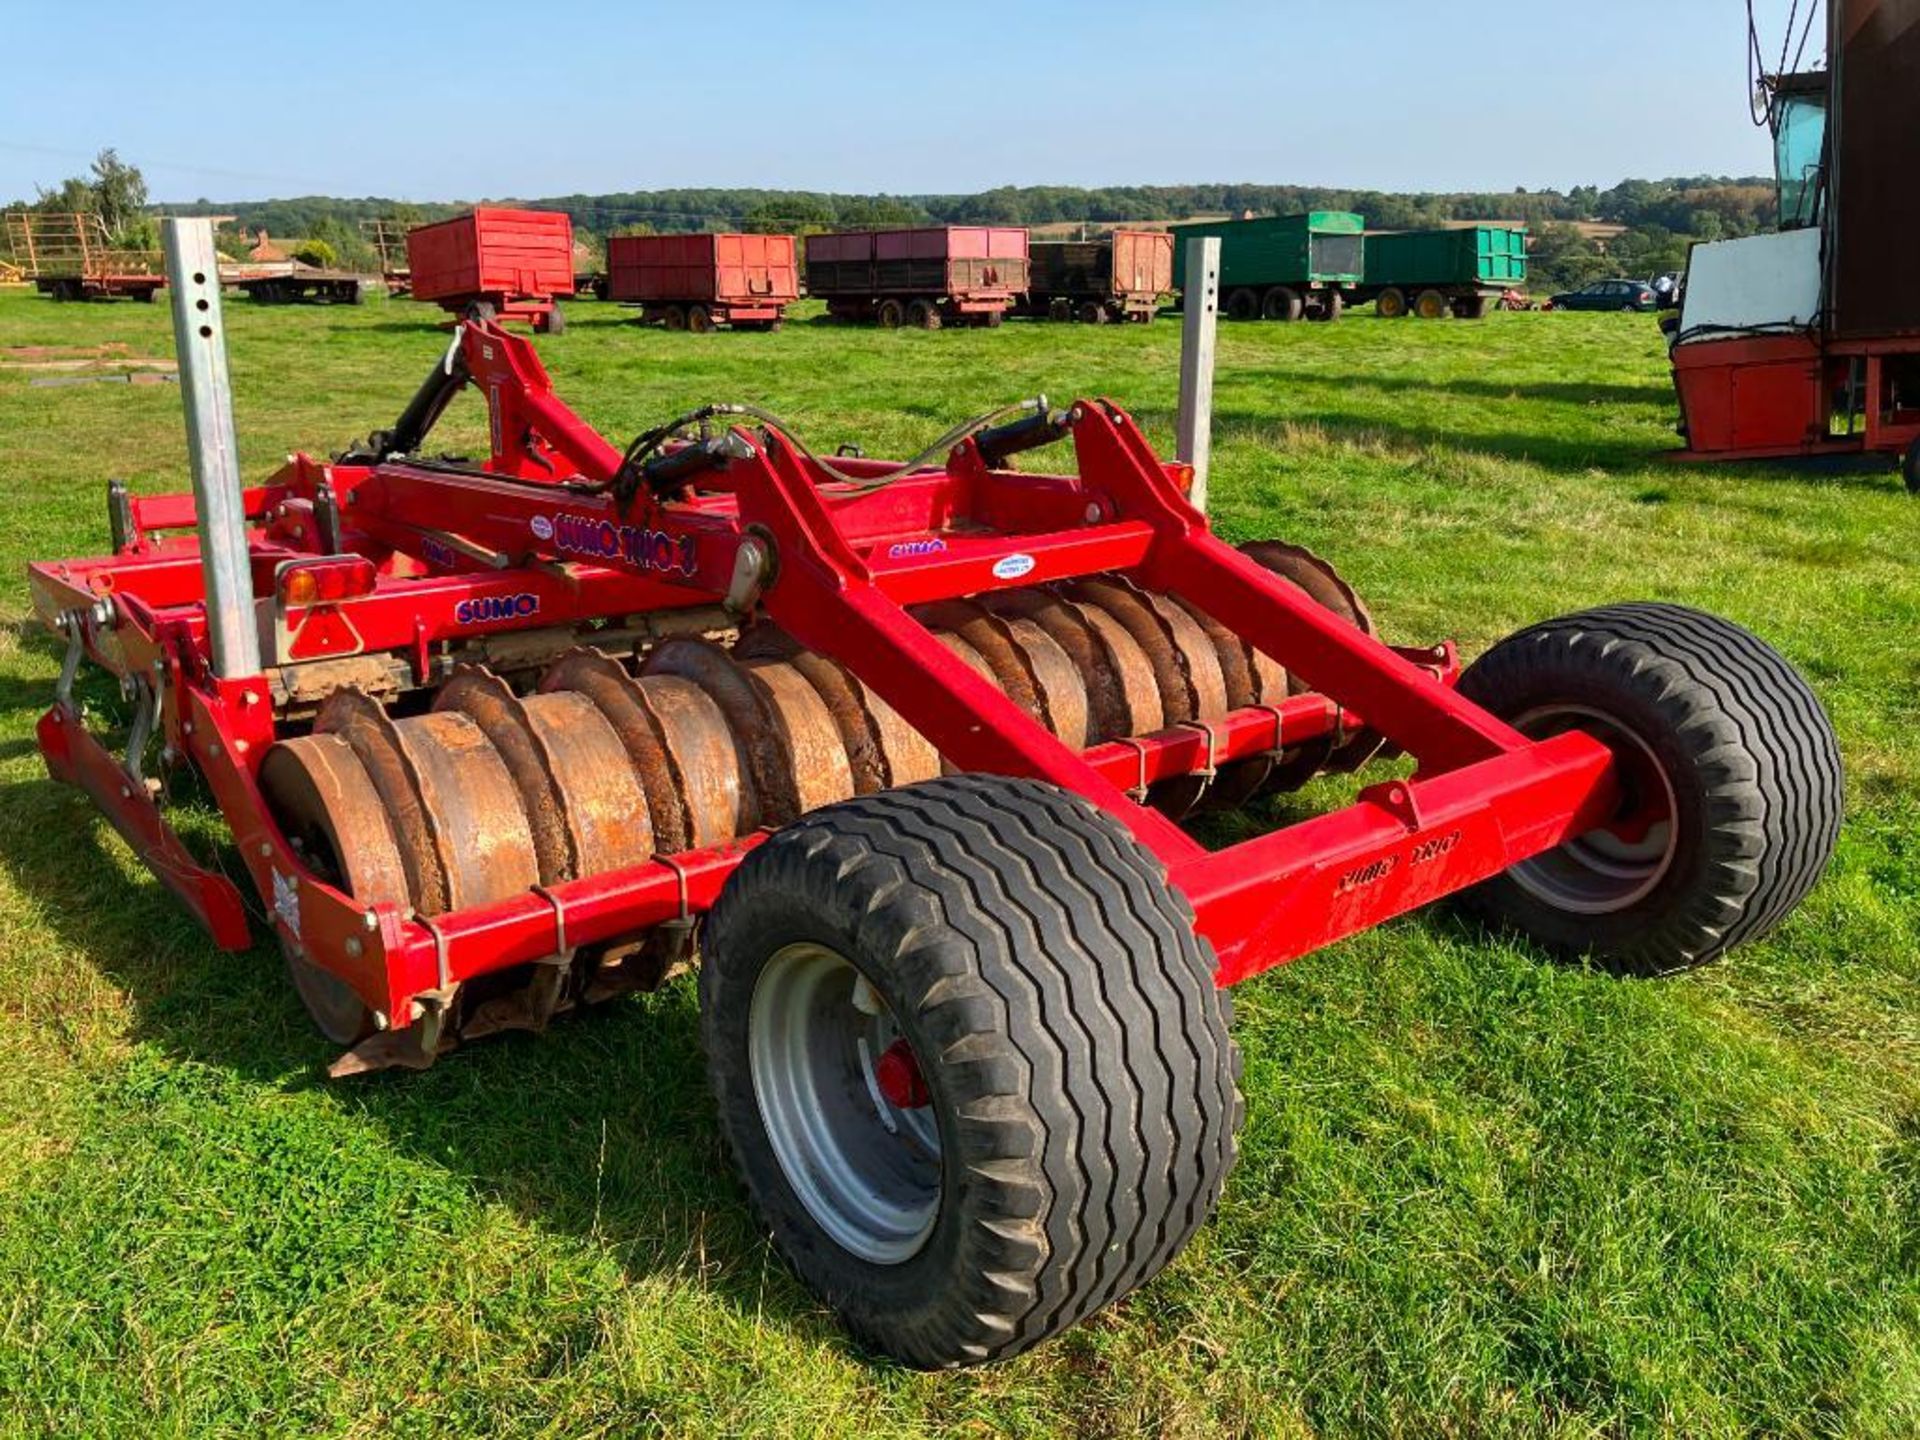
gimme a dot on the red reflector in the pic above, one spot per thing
(323, 581)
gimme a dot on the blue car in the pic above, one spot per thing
(1609, 295)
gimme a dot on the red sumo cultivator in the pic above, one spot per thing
(902, 751)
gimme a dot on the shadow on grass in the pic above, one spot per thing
(601, 1129)
(1547, 449)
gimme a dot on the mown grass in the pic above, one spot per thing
(1480, 1194)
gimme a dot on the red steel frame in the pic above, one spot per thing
(848, 562)
(1772, 397)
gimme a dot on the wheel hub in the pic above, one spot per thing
(1620, 862)
(845, 1105)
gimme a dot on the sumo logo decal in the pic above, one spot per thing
(641, 548)
(908, 549)
(484, 608)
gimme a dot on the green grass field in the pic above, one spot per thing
(1479, 1194)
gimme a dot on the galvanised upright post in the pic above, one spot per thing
(193, 278)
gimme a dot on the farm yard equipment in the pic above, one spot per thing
(1805, 342)
(1120, 276)
(1461, 271)
(695, 282)
(497, 263)
(71, 257)
(1281, 267)
(290, 282)
(388, 238)
(901, 751)
(925, 277)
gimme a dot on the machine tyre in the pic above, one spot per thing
(1910, 467)
(1242, 304)
(1068, 1115)
(554, 321)
(674, 317)
(889, 314)
(1430, 305)
(923, 315)
(1282, 303)
(1717, 734)
(1092, 312)
(699, 320)
(1332, 304)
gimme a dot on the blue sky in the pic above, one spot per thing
(437, 101)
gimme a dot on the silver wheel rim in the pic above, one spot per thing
(867, 1171)
(1599, 873)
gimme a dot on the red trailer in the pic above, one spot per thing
(1117, 277)
(694, 282)
(927, 276)
(513, 264)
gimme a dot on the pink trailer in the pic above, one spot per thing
(925, 276)
(694, 282)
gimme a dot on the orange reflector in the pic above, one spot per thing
(325, 580)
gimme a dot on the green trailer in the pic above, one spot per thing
(1433, 273)
(1281, 267)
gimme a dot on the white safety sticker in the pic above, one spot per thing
(1012, 567)
(286, 902)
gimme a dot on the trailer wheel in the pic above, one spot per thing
(1910, 467)
(1282, 303)
(1470, 307)
(994, 319)
(969, 1057)
(1242, 304)
(889, 314)
(923, 315)
(1092, 312)
(552, 322)
(699, 320)
(1391, 304)
(1060, 308)
(1729, 775)
(674, 318)
(1331, 306)
(1430, 305)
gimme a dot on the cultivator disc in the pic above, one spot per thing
(687, 744)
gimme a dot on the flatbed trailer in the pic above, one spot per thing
(925, 276)
(1120, 276)
(69, 256)
(1460, 271)
(292, 283)
(1281, 267)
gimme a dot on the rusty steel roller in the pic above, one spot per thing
(688, 745)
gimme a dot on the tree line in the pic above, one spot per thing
(1659, 218)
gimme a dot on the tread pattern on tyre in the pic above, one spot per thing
(1071, 1008)
(1762, 747)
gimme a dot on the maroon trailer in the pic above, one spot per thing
(694, 282)
(1117, 277)
(928, 276)
(492, 261)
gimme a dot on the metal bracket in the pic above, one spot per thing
(326, 517)
(74, 622)
(1138, 792)
(1279, 729)
(120, 517)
